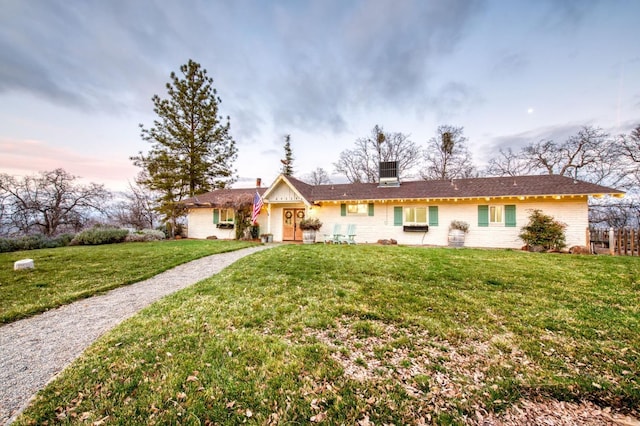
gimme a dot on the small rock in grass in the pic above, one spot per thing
(23, 264)
(579, 250)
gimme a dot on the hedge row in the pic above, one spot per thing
(145, 235)
(33, 242)
(97, 236)
(93, 236)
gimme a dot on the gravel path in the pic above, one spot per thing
(34, 350)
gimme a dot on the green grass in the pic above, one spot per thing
(341, 334)
(62, 275)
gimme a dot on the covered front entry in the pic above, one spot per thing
(291, 219)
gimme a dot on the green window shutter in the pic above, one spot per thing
(216, 216)
(433, 215)
(343, 209)
(483, 215)
(370, 209)
(510, 215)
(397, 216)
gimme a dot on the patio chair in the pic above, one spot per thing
(334, 237)
(349, 238)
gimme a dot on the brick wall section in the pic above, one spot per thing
(201, 225)
(381, 225)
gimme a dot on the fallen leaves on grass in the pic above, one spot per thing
(554, 413)
(440, 376)
(320, 417)
(427, 368)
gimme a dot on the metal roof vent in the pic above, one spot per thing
(388, 172)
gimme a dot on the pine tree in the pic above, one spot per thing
(192, 149)
(287, 163)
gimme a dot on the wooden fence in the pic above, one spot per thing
(622, 241)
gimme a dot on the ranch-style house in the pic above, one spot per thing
(412, 213)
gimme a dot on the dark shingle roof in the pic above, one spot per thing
(303, 188)
(460, 188)
(224, 198)
(542, 185)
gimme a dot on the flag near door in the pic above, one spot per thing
(257, 206)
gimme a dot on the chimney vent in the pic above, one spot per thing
(388, 173)
(258, 182)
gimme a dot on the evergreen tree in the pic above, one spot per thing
(287, 163)
(543, 231)
(192, 149)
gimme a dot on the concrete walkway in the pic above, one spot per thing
(34, 350)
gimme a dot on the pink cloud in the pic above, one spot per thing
(24, 157)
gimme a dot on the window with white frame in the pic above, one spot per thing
(357, 209)
(415, 215)
(226, 215)
(496, 215)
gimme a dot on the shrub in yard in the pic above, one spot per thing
(180, 230)
(543, 231)
(64, 240)
(8, 245)
(52, 242)
(166, 229)
(100, 235)
(145, 235)
(33, 242)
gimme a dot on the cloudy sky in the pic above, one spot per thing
(77, 77)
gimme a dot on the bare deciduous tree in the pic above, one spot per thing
(138, 209)
(447, 155)
(584, 155)
(5, 223)
(50, 202)
(630, 152)
(615, 213)
(508, 163)
(590, 155)
(319, 176)
(361, 164)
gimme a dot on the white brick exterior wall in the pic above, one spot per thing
(369, 229)
(201, 226)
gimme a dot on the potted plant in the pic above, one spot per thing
(457, 230)
(266, 238)
(309, 227)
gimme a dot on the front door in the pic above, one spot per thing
(290, 224)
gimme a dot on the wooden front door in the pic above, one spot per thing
(290, 229)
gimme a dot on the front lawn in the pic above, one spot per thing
(65, 274)
(366, 334)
